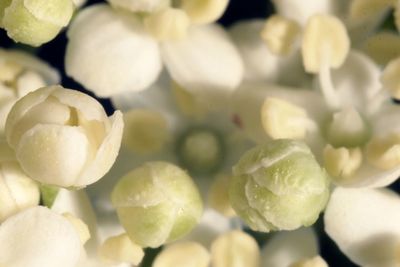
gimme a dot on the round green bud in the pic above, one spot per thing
(157, 203)
(278, 186)
(35, 22)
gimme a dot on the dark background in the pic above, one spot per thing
(53, 52)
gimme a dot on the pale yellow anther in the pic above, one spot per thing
(282, 119)
(204, 11)
(391, 78)
(183, 254)
(235, 248)
(383, 47)
(169, 24)
(342, 162)
(280, 34)
(80, 226)
(218, 196)
(325, 41)
(367, 9)
(384, 152)
(145, 131)
(119, 249)
(317, 261)
(186, 102)
(9, 71)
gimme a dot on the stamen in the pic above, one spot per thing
(384, 152)
(317, 261)
(342, 162)
(204, 11)
(391, 78)
(218, 196)
(119, 249)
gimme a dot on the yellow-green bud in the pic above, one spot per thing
(157, 203)
(35, 22)
(279, 186)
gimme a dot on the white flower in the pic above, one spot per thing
(365, 224)
(38, 237)
(63, 137)
(362, 130)
(110, 52)
(21, 73)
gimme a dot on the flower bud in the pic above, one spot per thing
(63, 137)
(17, 191)
(36, 22)
(279, 186)
(157, 203)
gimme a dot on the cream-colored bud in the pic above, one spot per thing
(204, 11)
(282, 119)
(17, 191)
(342, 162)
(235, 248)
(35, 22)
(119, 249)
(80, 227)
(187, 102)
(63, 137)
(218, 195)
(391, 78)
(384, 152)
(169, 24)
(366, 9)
(183, 254)
(382, 47)
(280, 34)
(146, 131)
(157, 203)
(317, 261)
(325, 41)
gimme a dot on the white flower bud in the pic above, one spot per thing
(157, 203)
(35, 22)
(38, 237)
(17, 191)
(279, 186)
(63, 137)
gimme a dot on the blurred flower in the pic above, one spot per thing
(21, 73)
(35, 22)
(63, 137)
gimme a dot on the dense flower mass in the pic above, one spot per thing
(219, 145)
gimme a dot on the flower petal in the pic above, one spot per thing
(365, 224)
(205, 63)
(108, 52)
(285, 248)
(38, 237)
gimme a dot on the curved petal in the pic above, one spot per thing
(365, 224)
(108, 52)
(38, 237)
(286, 248)
(206, 63)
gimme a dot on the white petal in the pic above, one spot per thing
(108, 52)
(300, 11)
(206, 63)
(53, 154)
(29, 62)
(285, 248)
(365, 224)
(106, 153)
(38, 237)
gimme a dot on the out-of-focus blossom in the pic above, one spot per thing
(38, 237)
(111, 52)
(364, 223)
(279, 186)
(35, 22)
(21, 73)
(157, 190)
(63, 137)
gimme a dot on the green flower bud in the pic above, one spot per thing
(157, 203)
(279, 186)
(35, 22)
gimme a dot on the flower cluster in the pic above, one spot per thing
(227, 157)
